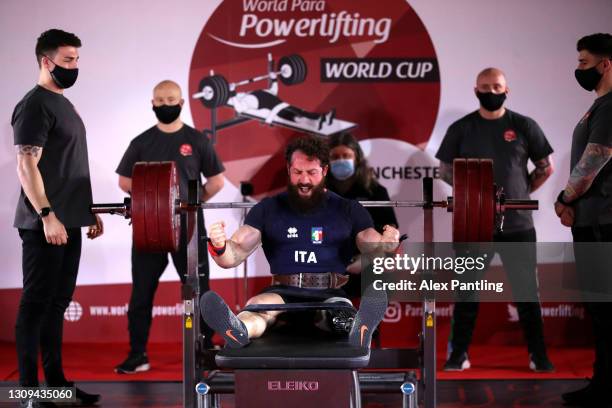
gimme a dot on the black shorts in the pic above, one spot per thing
(292, 294)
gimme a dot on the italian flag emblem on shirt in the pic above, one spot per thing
(316, 235)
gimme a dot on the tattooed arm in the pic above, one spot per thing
(594, 158)
(446, 172)
(543, 169)
(32, 183)
(242, 244)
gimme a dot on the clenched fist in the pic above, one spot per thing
(390, 238)
(390, 234)
(216, 234)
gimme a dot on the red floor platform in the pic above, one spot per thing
(95, 362)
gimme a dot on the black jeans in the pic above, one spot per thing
(49, 279)
(521, 272)
(600, 312)
(147, 268)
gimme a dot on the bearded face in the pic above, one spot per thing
(303, 203)
(306, 186)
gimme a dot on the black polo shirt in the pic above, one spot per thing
(510, 141)
(47, 119)
(192, 152)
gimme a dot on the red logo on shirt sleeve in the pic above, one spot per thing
(186, 150)
(509, 135)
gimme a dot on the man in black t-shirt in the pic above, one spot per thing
(169, 140)
(53, 169)
(510, 140)
(585, 204)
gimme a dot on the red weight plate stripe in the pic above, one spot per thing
(473, 200)
(459, 200)
(487, 201)
(169, 229)
(151, 210)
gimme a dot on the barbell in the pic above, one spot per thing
(215, 90)
(155, 205)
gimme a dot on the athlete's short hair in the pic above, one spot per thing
(311, 146)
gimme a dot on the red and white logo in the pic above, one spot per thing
(509, 135)
(375, 67)
(73, 312)
(186, 149)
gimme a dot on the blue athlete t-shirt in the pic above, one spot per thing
(321, 240)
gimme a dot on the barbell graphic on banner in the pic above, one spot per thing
(154, 207)
(215, 91)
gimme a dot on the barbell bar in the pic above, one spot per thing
(215, 90)
(155, 206)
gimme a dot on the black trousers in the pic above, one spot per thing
(147, 268)
(600, 312)
(521, 272)
(49, 279)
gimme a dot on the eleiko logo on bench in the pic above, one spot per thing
(293, 385)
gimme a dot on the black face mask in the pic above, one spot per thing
(167, 113)
(588, 78)
(491, 101)
(63, 77)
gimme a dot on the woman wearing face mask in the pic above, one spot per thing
(351, 177)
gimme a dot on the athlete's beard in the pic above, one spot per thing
(305, 204)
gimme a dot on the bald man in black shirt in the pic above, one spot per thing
(510, 139)
(169, 140)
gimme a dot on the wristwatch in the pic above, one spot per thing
(45, 211)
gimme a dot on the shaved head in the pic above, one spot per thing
(491, 80)
(167, 93)
(490, 72)
(167, 85)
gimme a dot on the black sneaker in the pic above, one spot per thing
(371, 311)
(134, 363)
(84, 398)
(457, 361)
(219, 317)
(590, 396)
(337, 321)
(540, 363)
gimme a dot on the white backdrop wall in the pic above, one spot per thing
(129, 46)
